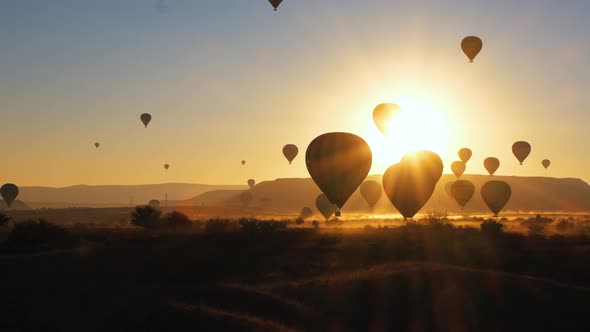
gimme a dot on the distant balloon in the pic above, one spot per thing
(521, 150)
(491, 164)
(471, 46)
(145, 118)
(9, 193)
(290, 151)
(546, 163)
(496, 194)
(465, 154)
(243, 162)
(382, 116)
(371, 192)
(326, 208)
(409, 186)
(427, 161)
(458, 167)
(251, 183)
(275, 3)
(97, 145)
(462, 191)
(448, 186)
(338, 163)
(154, 203)
(246, 197)
(306, 212)
(166, 166)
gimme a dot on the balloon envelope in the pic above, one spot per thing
(338, 163)
(458, 167)
(496, 194)
(465, 154)
(471, 46)
(166, 166)
(97, 145)
(382, 116)
(243, 162)
(462, 191)
(145, 119)
(9, 193)
(426, 160)
(371, 192)
(491, 164)
(448, 186)
(306, 212)
(326, 208)
(290, 151)
(154, 203)
(546, 163)
(408, 187)
(275, 3)
(521, 150)
(251, 183)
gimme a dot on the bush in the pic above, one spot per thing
(492, 227)
(436, 218)
(299, 221)
(565, 225)
(221, 226)
(145, 216)
(176, 220)
(33, 234)
(4, 219)
(263, 226)
(315, 224)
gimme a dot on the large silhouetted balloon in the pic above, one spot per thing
(491, 164)
(546, 163)
(471, 46)
(426, 160)
(383, 115)
(145, 119)
(408, 186)
(465, 154)
(154, 203)
(166, 166)
(371, 192)
(290, 151)
(251, 183)
(326, 208)
(496, 194)
(275, 3)
(306, 212)
(462, 191)
(9, 193)
(96, 145)
(458, 167)
(243, 162)
(246, 197)
(338, 163)
(521, 150)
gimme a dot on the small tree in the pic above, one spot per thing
(492, 227)
(145, 216)
(4, 219)
(177, 219)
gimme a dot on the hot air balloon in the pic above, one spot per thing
(275, 3)
(371, 192)
(290, 151)
(471, 46)
(306, 212)
(383, 114)
(425, 160)
(465, 154)
(251, 183)
(462, 191)
(326, 208)
(496, 194)
(458, 167)
(338, 163)
(246, 197)
(448, 186)
(154, 203)
(96, 145)
(521, 150)
(9, 193)
(243, 162)
(491, 164)
(145, 118)
(409, 186)
(546, 163)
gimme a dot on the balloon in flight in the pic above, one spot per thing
(9, 193)
(96, 145)
(521, 150)
(338, 163)
(462, 191)
(166, 166)
(371, 192)
(471, 46)
(496, 194)
(306, 212)
(448, 187)
(427, 161)
(465, 154)
(326, 208)
(145, 119)
(458, 168)
(154, 203)
(243, 162)
(546, 163)
(275, 3)
(251, 183)
(383, 115)
(290, 151)
(491, 164)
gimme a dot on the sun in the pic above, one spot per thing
(419, 126)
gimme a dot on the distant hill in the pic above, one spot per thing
(530, 194)
(113, 195)
(16, 205)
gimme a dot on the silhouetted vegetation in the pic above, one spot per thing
(492, 227)
(176, 220)
(33, 235)
(252, 225)
(146, 216)
(4, 219)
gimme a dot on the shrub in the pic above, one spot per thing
(491, 227)
(176, 220)
(252, 225)
(436, 218)
(315, 224)
(565, 225)
(299, 221)
(32, 234)
(145, 216)
(220, 225)
(4, 219)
